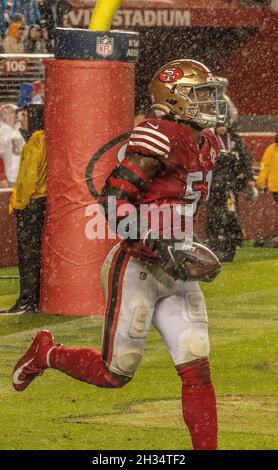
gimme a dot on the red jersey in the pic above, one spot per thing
(187, 167)
(184, 178)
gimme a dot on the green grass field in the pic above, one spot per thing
(57, 412)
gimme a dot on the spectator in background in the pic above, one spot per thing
(28, 202)
(268, 181)
(28, 8)
(38, 92)
(232, 174)
(268, 176)
(18, 18)
(34, 44)
(53, 11)
(13, 42)
(11, 143)
(22, 120)
(30, 93)
(45, 37)
(26, 93)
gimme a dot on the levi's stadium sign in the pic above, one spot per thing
(127, 18)
(179, 13)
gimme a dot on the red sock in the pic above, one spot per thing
(199, 405)
(82, 364)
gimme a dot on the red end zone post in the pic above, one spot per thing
(89, 112)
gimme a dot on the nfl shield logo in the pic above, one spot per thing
(105, 46)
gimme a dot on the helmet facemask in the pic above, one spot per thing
(204, 104)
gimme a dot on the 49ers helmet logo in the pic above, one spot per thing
(170, 75)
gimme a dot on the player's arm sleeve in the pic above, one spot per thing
(128, 179)
(265, 168)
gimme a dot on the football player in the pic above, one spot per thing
(168, 161)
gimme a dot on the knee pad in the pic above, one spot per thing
(126, 361)
(129, 344)
(193, 344)
(129, 360)
(141, 319)
(195, 310)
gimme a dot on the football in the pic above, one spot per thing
(206, 265)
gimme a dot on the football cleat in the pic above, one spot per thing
(34, 361)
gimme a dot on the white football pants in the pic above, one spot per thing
(139, 294)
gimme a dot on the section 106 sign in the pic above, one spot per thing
(15, 66)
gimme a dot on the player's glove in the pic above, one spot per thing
(186, 261)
